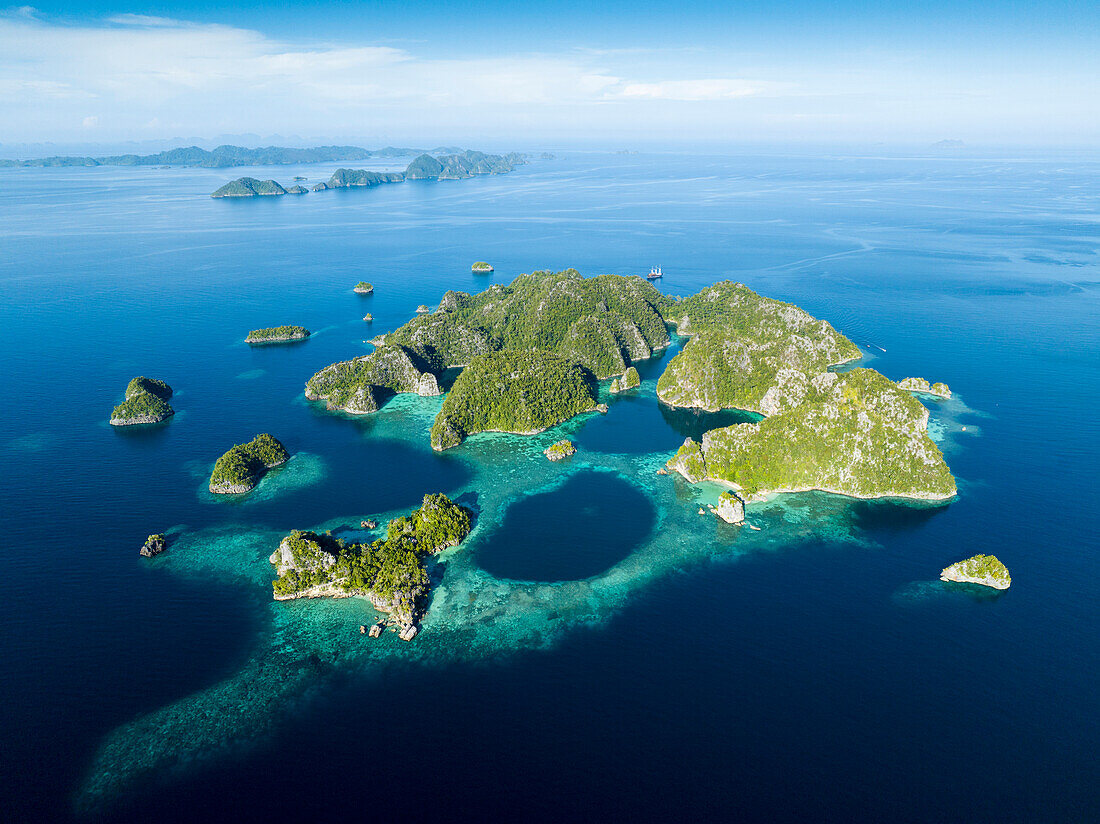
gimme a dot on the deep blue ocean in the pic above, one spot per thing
(596, 650)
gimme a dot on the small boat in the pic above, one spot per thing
(655, 273)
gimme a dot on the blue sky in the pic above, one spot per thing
(566, 73)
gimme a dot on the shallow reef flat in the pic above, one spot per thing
(471, 616)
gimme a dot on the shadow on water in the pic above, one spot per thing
(894, 515)
(692, 423)
(585, 526)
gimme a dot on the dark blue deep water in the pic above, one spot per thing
(814, 671)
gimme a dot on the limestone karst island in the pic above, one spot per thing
(535, 354)
(277, 334)
(146, 402)
(242, 467)
(427, 166)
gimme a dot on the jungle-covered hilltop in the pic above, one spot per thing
(389, 573)
(242, 466)
(533, 352)
(146, 402)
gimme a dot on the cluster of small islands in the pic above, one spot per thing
(458, 166)
(533, 355)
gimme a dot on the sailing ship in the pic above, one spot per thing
(654, 273)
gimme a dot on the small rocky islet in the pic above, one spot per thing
(277, 334)
(146, 402)
(154, 545)
(243, 465)
(985, 570)
(560, 451)
(923, 387)
(629, 380)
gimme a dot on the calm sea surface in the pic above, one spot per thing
(596, 649)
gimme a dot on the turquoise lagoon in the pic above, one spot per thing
(596, 647)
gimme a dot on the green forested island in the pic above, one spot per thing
(986, 570)
(240, 469)
(277, 334)
(531, 353)
(604, 323)
(854, 433)
(747, 352)
(249, 187)
(463, 165)
(356, 386)
(391, 574)
(358, 178)
(513, 391)
(363, 288)
(601, 324)
(227, 156)
(425, 167)
(481, 266)
(146, 402)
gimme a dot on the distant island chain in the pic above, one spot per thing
(458, 166)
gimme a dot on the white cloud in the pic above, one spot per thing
(695, 90)
(90, 122)
(142, 70)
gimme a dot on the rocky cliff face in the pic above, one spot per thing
(603, 323)
(855, 434)
(923, 386)
(730, 509)
(985, 570)
(560, 451)
(630, 380)
(353, 386)
(747, 352)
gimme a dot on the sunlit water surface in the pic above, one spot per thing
(597, 648)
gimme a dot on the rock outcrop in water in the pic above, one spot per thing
(390, 574)
(854, 434)
(146, 402)
(154, 545)
(629, 380)
(277, 334)
(518, 392)
(921, 385)
(730, 509)
(560, 451)
(242, 467)
(356, 386)
(986, 570)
